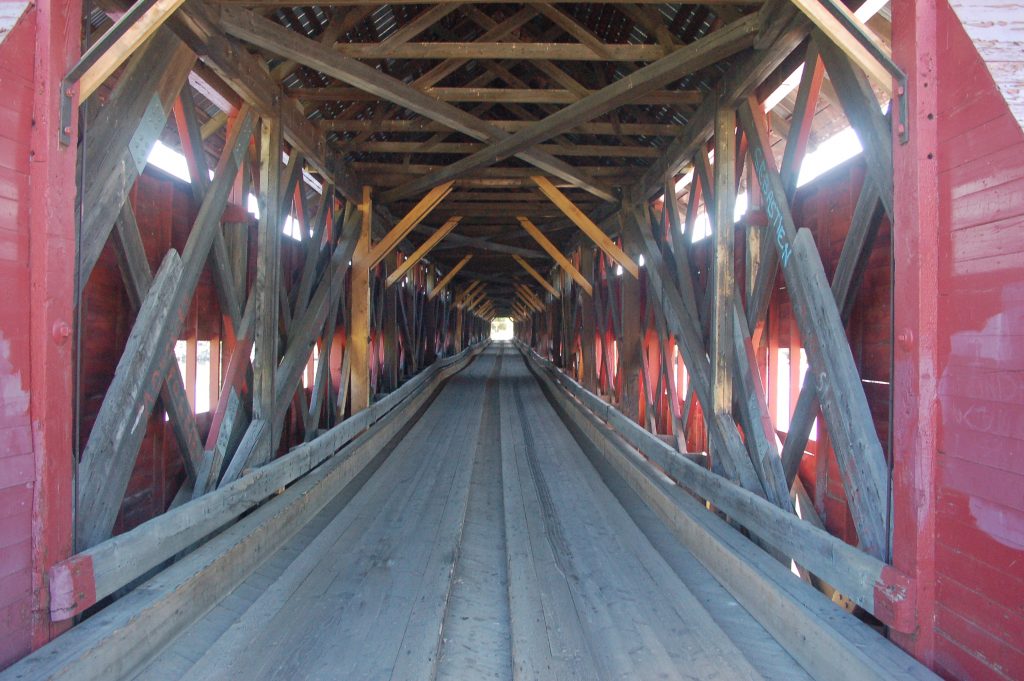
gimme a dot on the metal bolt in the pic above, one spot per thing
(61, 332)
(67, 130)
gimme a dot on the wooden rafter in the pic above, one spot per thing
(699, 54)
(247, 26)
(440, 286)
(408, 223)
(586, 225)
(556, 254)
(537, 276)
(425, 248)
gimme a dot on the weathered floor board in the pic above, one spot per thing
(485, 546)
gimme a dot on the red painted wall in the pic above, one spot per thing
(979, 514)
(17, 461)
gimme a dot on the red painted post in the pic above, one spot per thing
(52, 273)
(915, 320)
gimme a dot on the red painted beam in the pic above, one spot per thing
(915, 320)
(52, 266)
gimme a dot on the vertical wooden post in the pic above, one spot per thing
(630, 340)
(50, 231)
(359, 319)
(268, 275)
(391, 293)
(917, 249)
(588, 330)
(723, 268)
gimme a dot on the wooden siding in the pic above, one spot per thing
(17, 459)
(980, 459)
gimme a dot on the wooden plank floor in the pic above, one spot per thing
(485, 546)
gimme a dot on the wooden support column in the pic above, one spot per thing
(723, 268)
(390, 321)
(359, 317)
(588, 331)
(630, 344)
(268, 279)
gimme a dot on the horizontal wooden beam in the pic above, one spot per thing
(497, 95)
(425, 248)
(350, 3)
(872, 584)
(427, 125)
(553, 251)
(575, 150)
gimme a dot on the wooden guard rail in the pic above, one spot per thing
(875, 586)
(83, 579)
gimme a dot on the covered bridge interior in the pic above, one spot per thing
(759, 416)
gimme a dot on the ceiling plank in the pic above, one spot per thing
(499, 95)
(427, 125)
(512, 50)
(605, 151)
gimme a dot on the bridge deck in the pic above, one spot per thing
(483, 544)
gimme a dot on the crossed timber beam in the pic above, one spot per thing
(701, 53)
(266, 34)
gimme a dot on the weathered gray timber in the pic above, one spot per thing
(703, 52)
(131, 257)
(109, 455)
(844, 404)
(118, 561)
(125, 131)
(826, 641)
(246, 25)
(853, 572)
